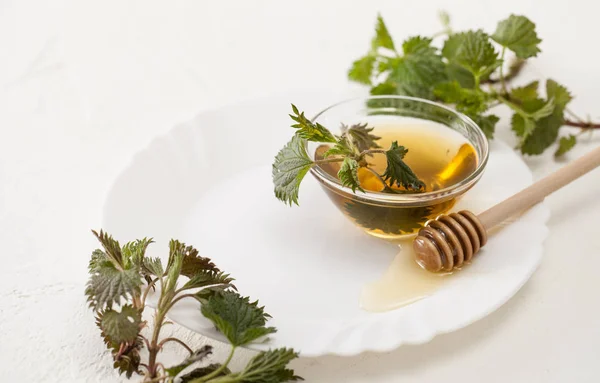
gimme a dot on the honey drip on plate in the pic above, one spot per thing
(404, 282)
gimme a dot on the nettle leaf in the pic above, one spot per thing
(121, 326)
(270, 367)
(153, 266)
(382, 38)
(565, 144)
(133, 252)
(387, 87)
(487, 124)
(517, 33)
(197, 356)
(559, 93)
(362, 69)
(525, 93)
(111, 247)
(522, 126)
(544, 134)
(108, 285)
(240, 320)
(468, 101)
(545, 110)
(192, 263)
(290, 166)
(343, 147)
(203, 371)
(398, 172)
(348, 174)
(418, 69)
(361, 136)
(473, 51)
(308, 130)
(208, 278)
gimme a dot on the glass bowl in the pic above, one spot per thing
(395, 216)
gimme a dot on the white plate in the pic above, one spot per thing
(306, 264)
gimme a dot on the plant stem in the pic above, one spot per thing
(582, 124)
(218, 370)
(372, 151)
(502, 79)
(154, 347)
(178, 299)
(513, 71)
(326, 160)
(378, 176)
(147, 290)
(162, 343)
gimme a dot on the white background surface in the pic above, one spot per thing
(84, 85)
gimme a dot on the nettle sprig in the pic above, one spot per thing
(352, 149)
(122, 277)
(468, 72)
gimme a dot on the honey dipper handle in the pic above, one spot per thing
(535, 193)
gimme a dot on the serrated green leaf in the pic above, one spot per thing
(565, 144)
(473, 51)
(111, 247)
(362, 69)
(121, 326)
(208, 278)
(522, 126)
(270, 367)
(398, 172)
(382, 38)
(518, 34)
(525, 93)
(487, 124)
(456, 72)
(468, 101)
(197, 356)
(361, 136)
(290, 166)
(545, 133)
(545, 110)
(559, 93)
(107, 285)
(388, 87)
(348, 174)
(308, 130)
(133, 252)
(240, 320)
(203, 371)
(343, 147)
(192, 263)
(154, 266)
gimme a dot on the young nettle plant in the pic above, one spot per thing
(468, 73)
(121, 277)
(352, 149)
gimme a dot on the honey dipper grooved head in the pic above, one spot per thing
(449, 241)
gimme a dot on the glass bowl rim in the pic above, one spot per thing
(448, 192)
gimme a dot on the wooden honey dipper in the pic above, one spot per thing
(451, 240)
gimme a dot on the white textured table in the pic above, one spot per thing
(84, 85)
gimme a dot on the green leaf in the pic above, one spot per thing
(559, 93)
(545, 133)
(270, 367)
(240, 320)
(133, 252)
(121, 326)
(460, 74)
(517, 33)
(382, 38)
(544, 110)
(522, 126)
(473, 51)
(387, 87)
(419, 69)
(361, 136)
(362, 69)
(398, 172)
(348, 174)
(192, 263)
(290, 166)
(343, 147)
(111, 248)
(308, 130)
(153, 266)
(203, 371)
(565, 144)
(108, 285)
(208, 278)
(197, 356)
(525, 93)
(487, 124)
(468, 101)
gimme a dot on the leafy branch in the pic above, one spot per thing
(121, 277)
(468, 72)
(352, 148)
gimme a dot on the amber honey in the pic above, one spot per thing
(439, 156)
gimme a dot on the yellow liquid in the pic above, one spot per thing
(403, 283)
(439, 156)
